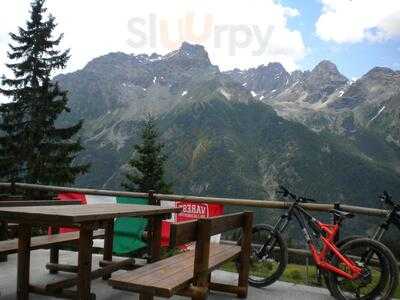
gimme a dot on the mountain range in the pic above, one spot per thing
(241, 133)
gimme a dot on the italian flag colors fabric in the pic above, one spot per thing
(128, 231)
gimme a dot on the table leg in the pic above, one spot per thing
(108, 244)
(24, 244)
(85, 261)
(155, 243)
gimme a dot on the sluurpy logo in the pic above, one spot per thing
(156, 31)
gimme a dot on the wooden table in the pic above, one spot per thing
(87, 218)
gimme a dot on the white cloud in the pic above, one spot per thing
(94, 28)
(352, 21)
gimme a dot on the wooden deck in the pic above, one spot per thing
(40, 276)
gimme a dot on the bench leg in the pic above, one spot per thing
(155, 242)
(24, 255)
(108, 244)
(200, 293)
(54, 258)
(3, 237)
(54, 251)
(145, 297)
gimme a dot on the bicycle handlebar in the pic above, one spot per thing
(387, 199)
(285, 193)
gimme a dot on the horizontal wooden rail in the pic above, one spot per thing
(273, 204)
(211, 200)
(62, 189)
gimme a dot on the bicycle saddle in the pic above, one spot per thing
(341, 214)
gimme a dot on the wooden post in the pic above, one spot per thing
(108, 244)
(152, 199)
(155, 242)
(85, 261)
(3, 237)
(245, 254)
(24, 244)
(54, 251)
(155, 231)
(201, 258)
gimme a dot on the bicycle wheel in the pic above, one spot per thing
(375, 259)
(266, 266)
(394, 272)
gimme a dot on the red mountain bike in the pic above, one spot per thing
(359, 269)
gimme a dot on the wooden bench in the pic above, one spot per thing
(188, 274)
(46, 241)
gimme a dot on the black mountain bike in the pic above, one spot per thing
(392, 218)
(349, 274)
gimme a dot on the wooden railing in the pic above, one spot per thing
(212, 200)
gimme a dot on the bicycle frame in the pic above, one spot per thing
(326, 233)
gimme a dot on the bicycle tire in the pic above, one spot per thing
(393, 280)
(390, 272)
(282, 254)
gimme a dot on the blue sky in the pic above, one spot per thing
(357, 35)
(352, 58)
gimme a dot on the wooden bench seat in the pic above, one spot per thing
(189, 273)
(45, 241)
(164, 278)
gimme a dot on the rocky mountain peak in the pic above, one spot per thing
(323, 81)
(326, 65)
(380, 72)
(296, 76)
(376, 86)
(273, 68)
(109, 60)
(263, 79)
(189, 55)
(193, 50)
(327, 70)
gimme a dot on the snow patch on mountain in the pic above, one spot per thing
(378, 114)
(225, 93)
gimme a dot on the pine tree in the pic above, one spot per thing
(32, 148)
(148, 163)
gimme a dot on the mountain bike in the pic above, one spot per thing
(350, 275)
(392, 218)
